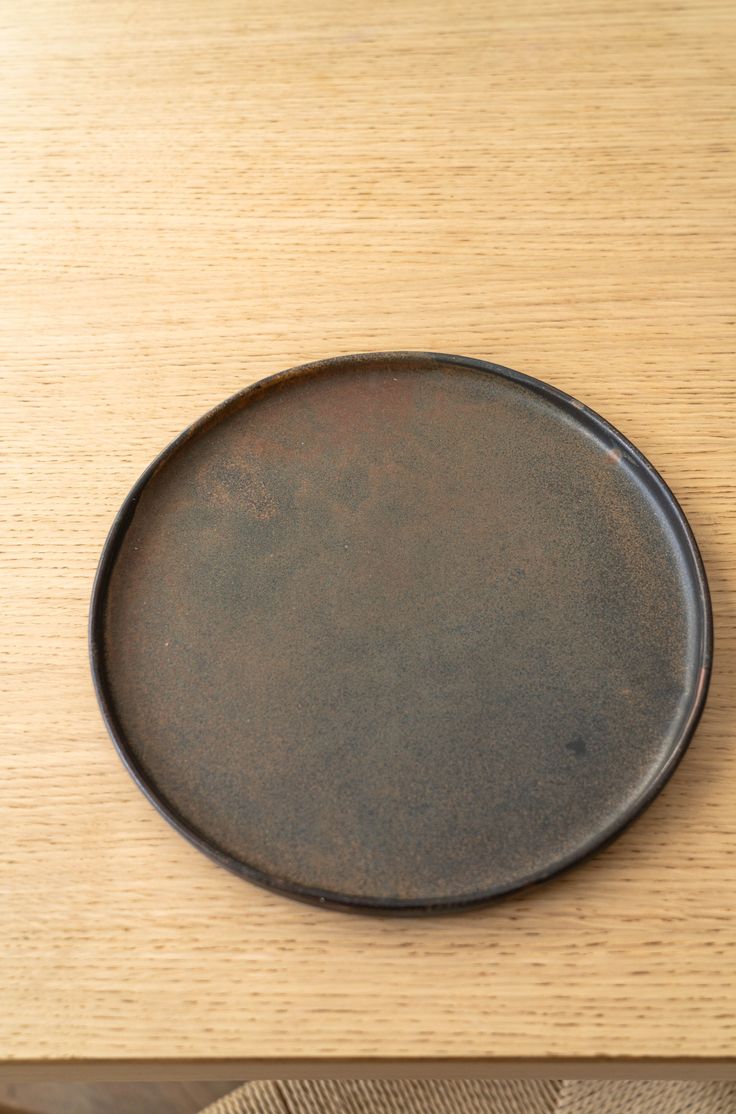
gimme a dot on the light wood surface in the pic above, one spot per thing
(195, 195)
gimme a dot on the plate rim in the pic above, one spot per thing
(582, 414)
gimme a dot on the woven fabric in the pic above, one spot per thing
(384, 1096)
(463, 1096)
(646, 1097)
(253, 1098)
(475, 1096)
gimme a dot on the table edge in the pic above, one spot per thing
(184, 1069)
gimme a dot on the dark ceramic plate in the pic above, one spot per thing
(400, 631)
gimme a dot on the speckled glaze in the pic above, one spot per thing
(400, 631)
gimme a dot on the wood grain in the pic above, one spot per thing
(195, 195)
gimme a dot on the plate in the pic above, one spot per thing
(401, 632)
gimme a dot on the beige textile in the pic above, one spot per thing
(474, 1096)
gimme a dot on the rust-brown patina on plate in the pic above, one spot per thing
(400, 631)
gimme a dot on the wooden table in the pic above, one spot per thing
(195, 195)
